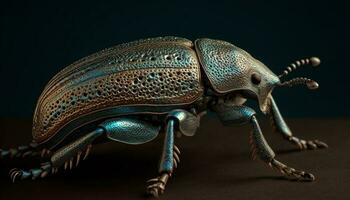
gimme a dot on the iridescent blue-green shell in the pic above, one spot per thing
(151, 73)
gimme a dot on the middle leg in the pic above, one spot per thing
(185, 123)
(167, 162)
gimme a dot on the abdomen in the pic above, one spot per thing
(152, 72)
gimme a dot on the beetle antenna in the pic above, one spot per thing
(311, 84)
(314, 61)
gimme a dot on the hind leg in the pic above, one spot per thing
(282, 127)
(64, 156)
(22, 151)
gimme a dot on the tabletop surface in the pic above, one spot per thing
(215, 164)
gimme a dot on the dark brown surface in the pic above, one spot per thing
(215, 164)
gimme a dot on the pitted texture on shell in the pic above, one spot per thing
(226, 66)
(130, 131)
(230, 68)
(158, 71)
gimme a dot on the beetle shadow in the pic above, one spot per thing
(259, 178)
(287, 151)
(255, 179)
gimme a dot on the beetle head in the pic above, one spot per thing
(231, 69)
(262, 82)
(265, 80)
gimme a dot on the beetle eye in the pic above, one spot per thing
(256, 79)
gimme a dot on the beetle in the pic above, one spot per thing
(132, 92)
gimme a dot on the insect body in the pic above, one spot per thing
(131, 92)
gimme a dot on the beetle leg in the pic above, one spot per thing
(157, 185)
(281, 126)
(21, 151)
(18, 174)
(62, 157)
(65, 156)
(264, 151)
(167, 163)
(130, 130)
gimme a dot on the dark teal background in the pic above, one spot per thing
(38, 38)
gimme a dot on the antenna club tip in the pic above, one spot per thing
(315, 61)
(312, 85)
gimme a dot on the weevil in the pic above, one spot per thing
(132, 92)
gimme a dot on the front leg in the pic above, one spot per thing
(282, 127)
(243, 114)
(266, 154)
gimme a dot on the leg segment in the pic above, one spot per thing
(42, 172)
(129, 130)
(157, 185)
(282, 127)
(264, 151)
(185, 123)
(64, 156)
(21, 151)
(166, 163)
